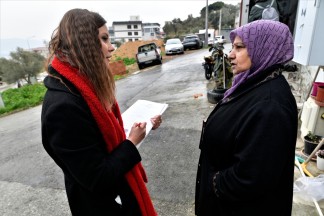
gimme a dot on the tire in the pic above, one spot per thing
(140, 66)
(215, 95)
(159, 61)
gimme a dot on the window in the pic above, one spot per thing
(135, 27)
(130, 39)
(136, 39)
(129, 33)
(152, 34)
(129, 26)
(135, 33)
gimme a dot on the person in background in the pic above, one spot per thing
(288, 10)
(82, 128)
(258, 7)
(246, 165)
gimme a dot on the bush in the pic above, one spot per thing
(22, 98)
(127, 61)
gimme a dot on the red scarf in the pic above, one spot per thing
(111, 126)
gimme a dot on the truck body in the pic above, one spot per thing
(211, 35)
(148, 53)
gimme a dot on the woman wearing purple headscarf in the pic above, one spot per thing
(246, 165)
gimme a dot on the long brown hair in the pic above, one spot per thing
(76, 41)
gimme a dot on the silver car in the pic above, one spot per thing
(174, 46)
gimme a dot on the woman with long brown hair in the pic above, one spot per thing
(82, 128)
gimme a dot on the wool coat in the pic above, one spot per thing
(70, 135)
(246, 164)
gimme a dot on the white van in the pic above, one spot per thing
(220, 39)
(211, 35)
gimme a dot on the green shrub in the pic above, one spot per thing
(22, 98)
(127, 61)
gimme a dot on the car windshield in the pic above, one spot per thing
(147, 47)
(173, 41)
(190, 38)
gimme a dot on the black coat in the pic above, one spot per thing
(249, 141)
(70, 135)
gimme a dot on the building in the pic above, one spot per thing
(41, 50)
(133, 30)
(125, 31)
(111, 34)
(151, 31)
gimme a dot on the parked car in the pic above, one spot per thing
(220, 39)
(147, 54)
(192, 41)
(173, 46)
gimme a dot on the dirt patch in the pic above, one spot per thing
(129, 50)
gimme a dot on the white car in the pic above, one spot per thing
(174, 46)
(220, 39)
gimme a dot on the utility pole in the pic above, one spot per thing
(206, 25)
(220, 22)
(28, 41)
(1, 102)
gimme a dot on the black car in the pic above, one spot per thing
(192, 42)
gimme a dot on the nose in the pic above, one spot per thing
(110, 47)
(231, 55)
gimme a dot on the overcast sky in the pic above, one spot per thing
(37, 19)
(30, 23)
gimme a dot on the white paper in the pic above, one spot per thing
(142, 111)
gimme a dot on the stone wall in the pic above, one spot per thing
(301, 81)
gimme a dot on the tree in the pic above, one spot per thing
(212, 7)
(191, 25)
(22, 65)
(1, 71)
(10, 70)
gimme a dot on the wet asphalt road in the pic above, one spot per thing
(31, 184)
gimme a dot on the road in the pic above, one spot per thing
(32, 185)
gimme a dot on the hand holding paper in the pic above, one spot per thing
(156, 121)
(143, 111)
(137, 132)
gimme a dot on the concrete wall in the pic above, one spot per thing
(301, 81)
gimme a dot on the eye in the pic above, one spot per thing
(105, 38)
(238, 46)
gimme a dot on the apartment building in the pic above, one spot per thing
(151, 31)
(125, 31)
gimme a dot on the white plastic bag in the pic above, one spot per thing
(309, 187)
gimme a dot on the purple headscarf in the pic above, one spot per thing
(268, 43)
